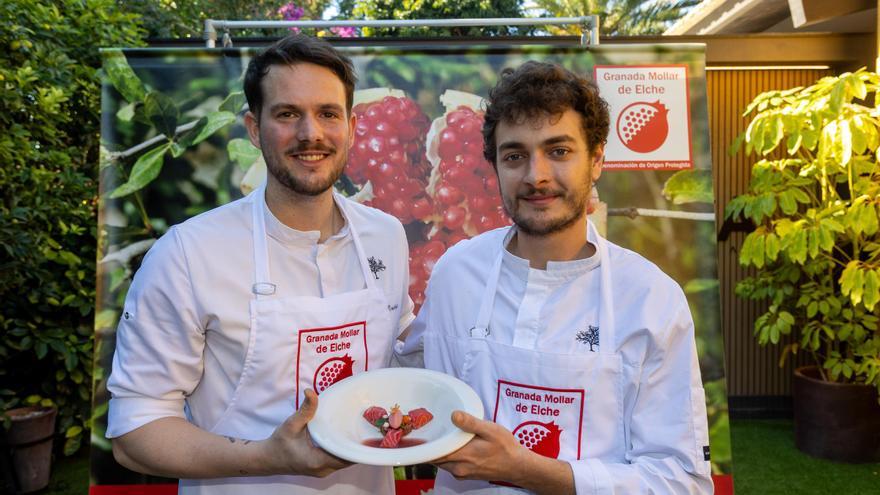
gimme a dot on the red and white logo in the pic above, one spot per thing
(540, 438)
(650, 111)
(545, 420)
(331, 371)
(328, 355)
(642, 126)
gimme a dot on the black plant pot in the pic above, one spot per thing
(835, 421)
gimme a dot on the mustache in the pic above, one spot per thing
(310, 147)
(539, 191)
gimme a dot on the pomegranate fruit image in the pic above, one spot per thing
(387, 161)
(642, 126)
(540, 438)
(331, 371)
(463, 184)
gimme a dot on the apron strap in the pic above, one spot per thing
(481, 327)
(262, 287)
(607, 325)
(369, 278)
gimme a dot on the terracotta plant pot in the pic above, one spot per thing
(29, 441)
(835, 421)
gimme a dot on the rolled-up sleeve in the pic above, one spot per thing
(668, 432)
(159, 342)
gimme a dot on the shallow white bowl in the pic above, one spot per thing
(339, 427)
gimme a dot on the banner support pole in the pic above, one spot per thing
(589, 25)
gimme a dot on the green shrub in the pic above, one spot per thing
(49, 140)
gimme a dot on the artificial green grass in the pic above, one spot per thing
(766, 462)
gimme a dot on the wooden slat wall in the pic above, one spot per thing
(751, 369)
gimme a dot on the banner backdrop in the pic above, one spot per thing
(418, 156)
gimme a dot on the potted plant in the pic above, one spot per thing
(26, 434)
(814, 199)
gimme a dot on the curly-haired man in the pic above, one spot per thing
(582, 352)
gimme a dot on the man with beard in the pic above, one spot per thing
(238, 316)
(582, 352)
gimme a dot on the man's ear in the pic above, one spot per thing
(252, 123)
(598, 161)
(352, 125)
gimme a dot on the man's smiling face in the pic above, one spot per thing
(303, 129)
(545, 171)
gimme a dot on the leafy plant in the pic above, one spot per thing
(815, 206)
(618, 17)
(186, 18)
(49, 116)
(436, 9)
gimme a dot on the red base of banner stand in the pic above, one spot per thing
(723, 486)
(133, 490)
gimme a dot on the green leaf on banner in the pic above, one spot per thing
(126, 112)
(162, 113)
(689, 186)
(205, 127)
(122, 77)
(144, 171)
(243, 152)
(234, 102)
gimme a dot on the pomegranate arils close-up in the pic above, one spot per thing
(389, 152)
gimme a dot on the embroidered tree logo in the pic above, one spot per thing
(589, 336)
(376, 266)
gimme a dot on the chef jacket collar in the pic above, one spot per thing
(286, 235)
(557, 272)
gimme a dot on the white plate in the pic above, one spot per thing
(340, 428)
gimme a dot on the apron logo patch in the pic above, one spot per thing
(540, 438)
(331, 371)
(547, 421)
(376, 266)
(590, 337)
(327, 355)
(705, 452)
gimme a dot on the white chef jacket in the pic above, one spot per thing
(663, 414)
(184, 329)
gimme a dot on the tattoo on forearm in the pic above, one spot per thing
(234, 440)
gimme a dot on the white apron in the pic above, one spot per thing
(566, 405)
(297, 343)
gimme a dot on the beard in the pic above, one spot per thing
(541, 223)
(307, 184)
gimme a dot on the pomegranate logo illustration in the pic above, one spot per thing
(642, 126)
(331, 371)
(540, 438)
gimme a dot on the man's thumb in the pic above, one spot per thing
(308, 408)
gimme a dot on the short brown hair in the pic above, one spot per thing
(535, 89)
(295, 49)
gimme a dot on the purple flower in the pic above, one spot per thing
(344, 31)
(291, 12)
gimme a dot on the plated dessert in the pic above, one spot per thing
(395, 425)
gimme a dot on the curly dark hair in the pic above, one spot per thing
(294, 49)
(535, 89)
